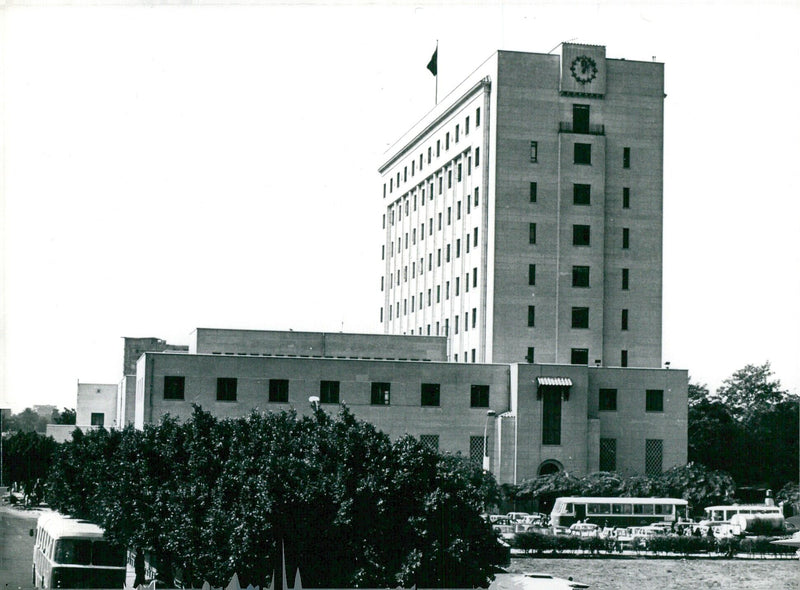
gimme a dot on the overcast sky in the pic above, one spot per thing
(167, 168)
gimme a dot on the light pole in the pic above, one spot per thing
(486, 463)
(314, 401)
(1, 446)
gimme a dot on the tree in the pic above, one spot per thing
(750, 390)
(67, 416)
(697, 393)
(210, 498)
(27, 457)
(26, 421)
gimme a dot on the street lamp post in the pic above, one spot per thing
(486, 462)
(1, 446)
(314, 401)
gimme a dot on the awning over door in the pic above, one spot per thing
(556, 381)
(561, 384)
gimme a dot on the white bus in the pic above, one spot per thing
(616, 512)
(71, 553)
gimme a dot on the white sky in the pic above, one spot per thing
(167, 168)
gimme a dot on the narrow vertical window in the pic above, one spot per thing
(625, 278)
(533, 191)
(626, 157)
(531, 316)
(551, 416)
(531, 233)
(530, 354)
(531, 274)
(623, 358)
(477, 157)
(624, 320)
(477, 117)
(534, 151)
(626, 238)
(626, 198)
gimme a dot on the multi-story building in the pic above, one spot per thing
(524, 213)
(518, 420)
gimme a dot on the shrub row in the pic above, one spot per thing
(532, 542)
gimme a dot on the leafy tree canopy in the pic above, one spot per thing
(749, 390)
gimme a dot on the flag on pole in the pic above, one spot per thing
(432, 63)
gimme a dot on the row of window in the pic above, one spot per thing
(580, 277)
(579, 356)
(449, 252)
(582, 194)
(654, 400)
(582, 154)
(653, 460)
(582, 235)
(434, 295)
(395, 182)
(380, 393)
(580, 318)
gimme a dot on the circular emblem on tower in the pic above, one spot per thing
(584, 69)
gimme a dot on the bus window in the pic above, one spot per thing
(103, 553)
(598, 509)
(74, 551)
(643, 509)
(570, 508)
(622, 509)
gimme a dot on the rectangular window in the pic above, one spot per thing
(478, 117)
(582, 153)
(98, 418)
(455, 325)
(429, 155)
(475, 277)
(531, 274)
(551, 416)
(429, 394)
(608, 455)
(449, 179)
(458, 248)
(458, 210)
(623, 358)
(279, 390)
(174, 387)
(329, 392)
(581, 235)
(466, 126)
(438, 147)
(581, 194)
(474, 316)
(626, 157)
(476, 450)
(625, 278)
(475, 203)
(447, 141)
(447, 255)
(458, 284)
(379, 396)
(531, 233)
(608, 400)
(579, 356)
(580, 317)
(226, 389)
(457, 133)
(529, 355)
(654, 401)
(626, 198)
(580, 276)
(624, 320)
(475, 237)
(479, 396)
(533, 191)
(580, 118)
(430, 441)
(472, 353)
(626, 238)
(534, 151)
(531, 316)
(653, 456)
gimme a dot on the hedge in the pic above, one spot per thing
(531, 542)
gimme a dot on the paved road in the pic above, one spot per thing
(16, 547)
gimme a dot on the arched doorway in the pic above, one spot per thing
(550, 467)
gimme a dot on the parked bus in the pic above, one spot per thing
(71, 553)
(616, 512)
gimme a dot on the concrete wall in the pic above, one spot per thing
(317, 344)
(514, 433)
(96, 398)
(454, 420)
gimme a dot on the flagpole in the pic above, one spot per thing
(436, 95)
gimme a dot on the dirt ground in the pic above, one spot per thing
(657, 573)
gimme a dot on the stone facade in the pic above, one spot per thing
(484, 198)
